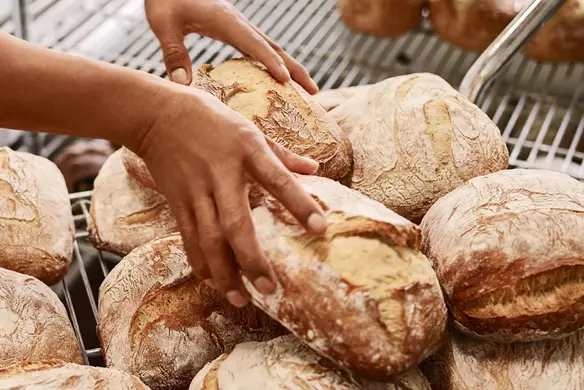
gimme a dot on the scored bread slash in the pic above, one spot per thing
(361, 295)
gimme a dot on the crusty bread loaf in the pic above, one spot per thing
(562, 38)
(125, 214)
(57, 375)
(415, 139)
(361, 294)
(159, 323)
(472, 24)
(36, 224)
(34, 325)
(382, 18)
(509, 253)
(136, 168)
(285, 363)
(285, 113)
(464, 363)
(332, 98)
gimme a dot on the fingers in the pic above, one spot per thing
(187, 225)
(234, 211)
(292, 161)
(215, 248)
(271, 173)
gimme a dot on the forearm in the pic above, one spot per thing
(42, 90)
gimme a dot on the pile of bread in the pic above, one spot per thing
(486, 293)
(471, 24)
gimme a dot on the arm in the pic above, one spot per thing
(199, 152)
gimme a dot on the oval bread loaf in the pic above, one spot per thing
(472, 24)
(158, 322)
(57, 375)
(125, 214)
(464, 363)
(362, 294)
(415, 139)
(36, 224)
(509, 253)
(137, 169)
(34, 325)
(382, 18)
(286, 364)
(333, 98)
(561, 39)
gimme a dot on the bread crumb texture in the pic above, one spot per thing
(286, 364)
(36, 224)
(415, 139)
(58, 375)
(361, 294)
(508, 250)
(159, 323)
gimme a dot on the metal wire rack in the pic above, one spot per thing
(538, 107)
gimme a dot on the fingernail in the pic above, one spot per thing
(285, 71)
(315, 85)
(264, 285)
(315, 164)
(236, 299)
(179, 76)
(209, 282)
(317, 223)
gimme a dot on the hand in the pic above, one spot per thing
(200, 154)
(172, 20)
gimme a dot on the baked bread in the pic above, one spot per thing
(464, 363)
(125, 214)
(286, 364)
(561, 39)
(332, 98)
(57, 375)
(472, 24)
(34, 325)
(136, 168)
(381, 18)
(361, 295)
(285, 113)
(508, 251)
(415, 139)
(36, 224)
(156, 321)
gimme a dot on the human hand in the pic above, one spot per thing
(201, 155)
(172, 20)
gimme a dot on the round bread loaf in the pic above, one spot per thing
(158, 322)
(36, 224)
(362, 294)
(125, 214)
(415, 139)
(286, 364)
(562, 38)
(136, 168)
(464, 363)
(34, 325)
(381, 18)
(509, 253)
(472, 24)
(335, 97)
(57, 375)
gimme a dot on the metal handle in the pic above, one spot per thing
(517, 33)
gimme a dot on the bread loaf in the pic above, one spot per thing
(382, 18)
(57, 375)
(561, 39)
(415, 139)
(136, 168)
(285, 113)
(332, 98)
(158, 322)
(509, 253)
(36, 224)
(472, 24)
(34, 325)
(286, 364)
(125, 214)
(467, 364)
(362, 294)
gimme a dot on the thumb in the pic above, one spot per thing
(176, 56)
(294, 162)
